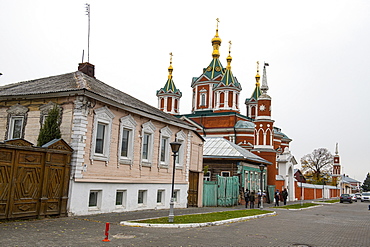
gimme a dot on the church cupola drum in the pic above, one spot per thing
(227, 90)
(203, 86)
(169, 96)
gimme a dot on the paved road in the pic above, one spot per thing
(328, 225)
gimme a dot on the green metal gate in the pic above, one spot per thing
(223, 192)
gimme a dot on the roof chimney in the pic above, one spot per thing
(87, 68)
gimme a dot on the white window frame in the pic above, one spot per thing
(12, 125)
(203, 97)
(176, 197)
(124, 198)
(127, 123)
(165, 134)
(180, 137)
(207, 176)
(149, 129)
(162, 198)
(98, 199)
(144, 197)
(102, 116)
(16, 112)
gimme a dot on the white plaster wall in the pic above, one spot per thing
(80, 191)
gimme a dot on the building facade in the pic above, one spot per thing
(216, 113)
(122, 156)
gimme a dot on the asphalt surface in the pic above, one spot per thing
(340, 224)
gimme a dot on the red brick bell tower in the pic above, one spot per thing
(336, 166)
(263, 134)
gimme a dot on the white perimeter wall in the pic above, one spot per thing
(78, 202)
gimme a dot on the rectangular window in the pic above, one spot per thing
(207, 176)
(176, 195)
(225, 174)
(160, 194)
(141, 197)
(93, 198)
(16, 124)
(120, 197)
(164, 149)
(146, 140)
(125, 143)
(203, 99)
(180, 153)
(100, 134)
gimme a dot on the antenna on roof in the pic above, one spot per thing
(83, 53)
(88, 34)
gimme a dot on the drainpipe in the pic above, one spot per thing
(201, 122)
(234, 128)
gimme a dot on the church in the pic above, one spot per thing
(216, 113)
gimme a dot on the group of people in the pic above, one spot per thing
(281, 196)
(250, 197)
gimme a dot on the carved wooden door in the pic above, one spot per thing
(27, 184)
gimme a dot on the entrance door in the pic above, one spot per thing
(193, 189)
(26, 189)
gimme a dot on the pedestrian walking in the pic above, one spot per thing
(252, 198)
(246, 197)
(285, 195)
(277, 198)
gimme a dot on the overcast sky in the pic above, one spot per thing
(318, 51)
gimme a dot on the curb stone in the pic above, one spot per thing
(193, 225)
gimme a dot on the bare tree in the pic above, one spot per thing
(318, 164)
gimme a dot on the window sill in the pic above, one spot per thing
(125, 161)
(146, 163)
(94, 209)
(100, 157)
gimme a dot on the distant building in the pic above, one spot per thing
(350, 185)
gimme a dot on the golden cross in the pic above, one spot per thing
(230, 46)
(258, 66)
(218, 20)
(171, 57)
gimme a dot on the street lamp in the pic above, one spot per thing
(262, 167)
(175, 146)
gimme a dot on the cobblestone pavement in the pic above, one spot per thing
(328, 225)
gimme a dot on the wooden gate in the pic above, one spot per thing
(193, 189)
(33, 180)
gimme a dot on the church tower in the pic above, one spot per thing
(263, 133)
(336, 166)
(169, 96)
(203, 94)
(251, 103)
(226, 92)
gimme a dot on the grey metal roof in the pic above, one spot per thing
(79, 81)
(218, 147)
(244, 125)
(349, 180)
(278, 131)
